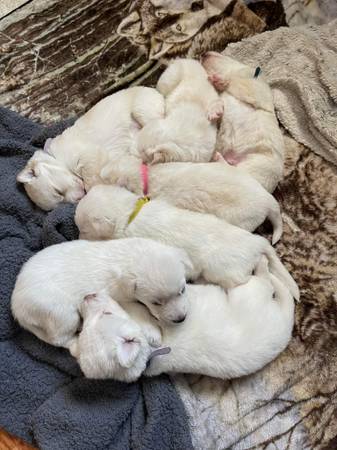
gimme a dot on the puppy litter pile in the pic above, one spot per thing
(145, 176)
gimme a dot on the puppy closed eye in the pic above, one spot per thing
(182, 290)
(58, 192)
(156, 303)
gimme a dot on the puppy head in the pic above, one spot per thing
(224, 66)
(111, 344)
(160, 283)
(99, 213)
(48, 183)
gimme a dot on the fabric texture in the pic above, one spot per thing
(300, 65)
(44, 397)
(53, 70)
(300, 12)
(292, 402)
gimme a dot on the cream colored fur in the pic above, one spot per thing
(215, 188)
(71, 162)
(229, 335)
(111, 344)
(51, 286)
(220, 253)
(225, 334)
(249, 135)
(188, 131)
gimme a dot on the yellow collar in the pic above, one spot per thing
(138, 206)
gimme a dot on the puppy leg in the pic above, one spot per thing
(261, 270)
(140, 314)
(227, 278)
(169, 80)
(168, 152)
(61, 326)
(73, 347)
(215, 110)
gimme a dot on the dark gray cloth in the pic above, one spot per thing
(44, 398)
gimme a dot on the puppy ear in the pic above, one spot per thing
(127, 351)
(26, 175)
(47, 145)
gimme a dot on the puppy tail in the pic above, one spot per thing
(278, 269)
(274, 216)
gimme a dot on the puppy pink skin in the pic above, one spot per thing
(218, 82)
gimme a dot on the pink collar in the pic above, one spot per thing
(144, 173)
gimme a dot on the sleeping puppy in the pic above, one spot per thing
(229, 335)
(214, 188)
(249, 136)
(225, 334)
(111, 344)
(71, 163)
(220, 253)
(51, 285)
(188, 131)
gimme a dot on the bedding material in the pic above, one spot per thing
(300, 65)
(292, 402)
(44, 397)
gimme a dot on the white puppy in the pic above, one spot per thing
(228, 335)
(51, 285)
(71, 163)
(215, 188)
(188, 131)
(111, 344)
(220, 253)
(225, 335)
(249, 136)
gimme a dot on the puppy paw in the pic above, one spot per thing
(218, 82)
(217, 157)
(215, 111)
(152, 335)
(155, 155)
(234, 280)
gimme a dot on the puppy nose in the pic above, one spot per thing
(180, 319)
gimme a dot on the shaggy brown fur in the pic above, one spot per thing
(164, 33)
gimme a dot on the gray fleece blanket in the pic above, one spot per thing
(44, 398)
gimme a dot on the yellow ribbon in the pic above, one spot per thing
(138, 206)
